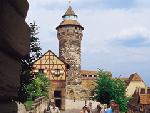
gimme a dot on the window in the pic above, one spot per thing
(41, 71)
(90, 75)
(95, 75)
(57, 72)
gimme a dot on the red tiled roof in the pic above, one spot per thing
(88, 72)
(145, 99)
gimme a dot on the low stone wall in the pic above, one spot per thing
(39, 105)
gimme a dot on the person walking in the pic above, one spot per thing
(54, 109)
(111, 108)
(98, 108)
(89, 110)
(84, 109)
(116, 108)
(102, 110)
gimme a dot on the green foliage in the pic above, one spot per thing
(109, 88)
(28, 104)
(27, 62)
(38, 87)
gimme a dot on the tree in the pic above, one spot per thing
(27, 62)
(109, 88)
(38, 87)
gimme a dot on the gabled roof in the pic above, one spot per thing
(134, 77)
(54, 55)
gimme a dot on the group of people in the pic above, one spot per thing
(113, 108)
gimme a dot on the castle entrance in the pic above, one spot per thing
(58, 99)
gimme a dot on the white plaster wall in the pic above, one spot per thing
(132, 87)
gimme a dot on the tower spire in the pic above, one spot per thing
(70, 18)
(69, 12)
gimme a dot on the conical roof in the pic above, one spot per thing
(69, 21)
(69, 12)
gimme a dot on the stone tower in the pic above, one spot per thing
(69, 34)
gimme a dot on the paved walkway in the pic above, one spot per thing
(76, 107)
(76, 111)
(71, 111)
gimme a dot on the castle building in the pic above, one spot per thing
(69, 34)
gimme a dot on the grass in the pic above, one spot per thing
(28, 105)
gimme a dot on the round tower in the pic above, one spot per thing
(69, 34)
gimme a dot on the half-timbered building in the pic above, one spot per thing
(56, 70)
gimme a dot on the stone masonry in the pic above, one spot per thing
(69, 33)
(14, 44)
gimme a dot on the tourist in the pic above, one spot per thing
(103, 110)
(90, 105)
(98, 108)
(54, 109)
(84, 109)
(89, 110)
(116, 108)
(111, 108)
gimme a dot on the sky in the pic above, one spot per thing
(116, 37)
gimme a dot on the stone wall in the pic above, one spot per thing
(39, 105)
(14, 44)
(70, 50)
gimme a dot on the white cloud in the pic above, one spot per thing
(138, 31)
